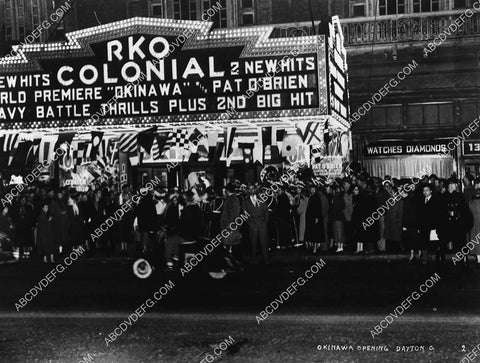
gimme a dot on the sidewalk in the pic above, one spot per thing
(290, 256)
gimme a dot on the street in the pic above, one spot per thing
(328, 319)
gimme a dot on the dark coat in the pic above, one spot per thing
(172, 219)
(338, 205)
(58, 210)
(231, 210)
(146, 215)
(393, 221)
(192, 224)
(314, 231)
(24, 222)
(76, 227)
(366, 204)
(7, 228)
(258, 214)
(45, 234)
(428, 219)
(455, 219)
(284, 218)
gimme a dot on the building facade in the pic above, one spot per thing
(430, 106)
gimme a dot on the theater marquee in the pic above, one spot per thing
(210, 73)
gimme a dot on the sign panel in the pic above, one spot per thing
(338, 72)
(144, 77)
(395, 148)
(471, 147)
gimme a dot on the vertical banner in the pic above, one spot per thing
(124, 169)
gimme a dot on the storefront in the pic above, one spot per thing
(148, 97)
(407, 158)
(471, 157)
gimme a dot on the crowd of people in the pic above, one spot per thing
(355, 214)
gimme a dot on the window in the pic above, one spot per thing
(459, 4)
(358, 10)
(134, 8)
(247, 4)
(387, 7)
(425, 5)
(220, 18)
(247, 19)
(192, 6)
(157, 10)
(177, 9)
(8, 33)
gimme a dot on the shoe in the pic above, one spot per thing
(357, 252)
(299, 244)
(411, 259)
(369, 252)
(339, 250)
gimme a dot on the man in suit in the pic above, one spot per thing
(257, 223)
(427, 219)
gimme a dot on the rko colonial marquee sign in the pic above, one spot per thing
(158, 75)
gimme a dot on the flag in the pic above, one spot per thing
(196, 137)
(159, 145)
(247, 149)
(63, 138)
(32, 154)
(134, 158)
(47, 148)
(258, 150)
(18, 156)
(212, 141)
(278, 137)
(78, 152)
(87, 152)
(229, 137)
(177, 138)
(96, 137)
(145, 139)
(310, 132)
(128, 143)
(9, 142)
(13, 141)
(267, 136)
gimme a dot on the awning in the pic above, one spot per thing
(408, 166)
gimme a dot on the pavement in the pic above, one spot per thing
(329, 319)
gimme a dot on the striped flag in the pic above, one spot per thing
(9, 142)
(128, 143)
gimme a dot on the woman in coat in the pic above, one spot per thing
(6, 230)
(231, 210)
(409, 224)
(314, 233)
(45, 235)
(393, 223)
(58, 210)
(338, 218)
(474, 206)
(302, 214)
(76, 230)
